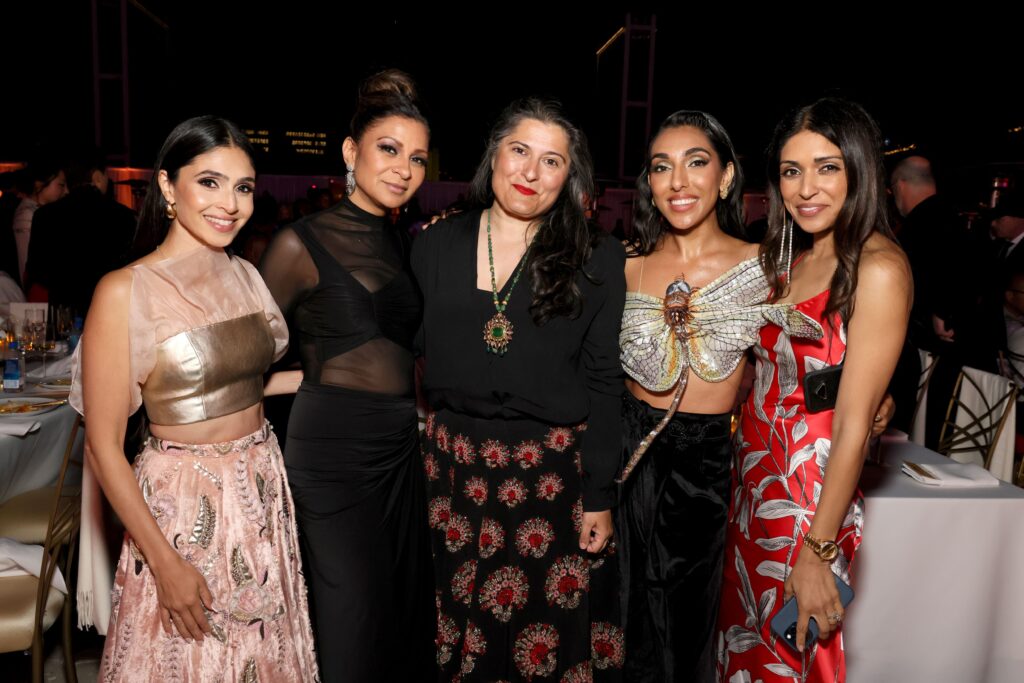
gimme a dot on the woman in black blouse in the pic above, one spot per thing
(341, 278)
(525, 386)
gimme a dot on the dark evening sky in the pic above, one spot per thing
(296, 65)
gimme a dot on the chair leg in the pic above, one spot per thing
(70, 674)
(37, 657)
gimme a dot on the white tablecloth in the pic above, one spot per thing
(940, 590)
(33, 461)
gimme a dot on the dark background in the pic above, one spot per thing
(952, 88)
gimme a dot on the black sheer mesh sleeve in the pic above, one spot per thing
(341, 277)
(288, 270)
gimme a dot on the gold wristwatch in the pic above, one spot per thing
(826, 550)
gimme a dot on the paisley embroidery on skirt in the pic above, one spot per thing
(206, 522)
(249, 673)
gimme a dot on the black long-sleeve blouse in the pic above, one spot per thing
(564, 372)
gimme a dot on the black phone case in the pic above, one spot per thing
(821, 388)
(784, 623)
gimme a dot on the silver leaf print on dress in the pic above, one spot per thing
(778, 468)
(773, 569)
(799, 458)
(787, 366)
(775, 543)
(764, 607)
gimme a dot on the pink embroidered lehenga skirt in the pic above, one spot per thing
(227, 510)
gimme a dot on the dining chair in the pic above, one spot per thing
(977, 413)
(24, 518)
(917, 422)
(29, 605)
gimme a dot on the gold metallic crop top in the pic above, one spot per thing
(209, 372)
(203, 329)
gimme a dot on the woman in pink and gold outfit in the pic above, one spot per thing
(209, 584)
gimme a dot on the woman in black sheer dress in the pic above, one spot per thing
(522, 305)
(340, 276)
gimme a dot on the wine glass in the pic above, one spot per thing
(36, 320)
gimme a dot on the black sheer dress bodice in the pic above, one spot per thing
(341, 278)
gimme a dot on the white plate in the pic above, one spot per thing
(56, 384)
(28, 401)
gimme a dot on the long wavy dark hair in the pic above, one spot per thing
(188, 140)
(850, 128)
(649, 224)
(564, 240)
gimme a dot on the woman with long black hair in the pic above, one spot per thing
(209, 584)
(796, 516)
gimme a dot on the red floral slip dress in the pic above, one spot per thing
(781, 453)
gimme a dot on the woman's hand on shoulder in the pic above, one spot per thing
(445, 213)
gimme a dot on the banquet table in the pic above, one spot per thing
(938, 579)
(33, 461)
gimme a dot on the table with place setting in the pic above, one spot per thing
(938, 582)
(34, 426)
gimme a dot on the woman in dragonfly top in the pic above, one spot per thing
(796, 516)
(685, 356)
(209, 585)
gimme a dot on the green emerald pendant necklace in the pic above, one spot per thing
(498, 330)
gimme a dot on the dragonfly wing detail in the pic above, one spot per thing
(649, 349)
(726, 317)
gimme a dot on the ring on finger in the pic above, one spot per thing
(835, 617)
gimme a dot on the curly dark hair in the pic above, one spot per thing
(564, 240)
(649, 224)
(850, 128)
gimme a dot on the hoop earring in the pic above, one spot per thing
(170, 211)
(350, 180)
(786, 246)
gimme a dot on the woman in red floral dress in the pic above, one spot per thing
(795, 474)
(523, 442)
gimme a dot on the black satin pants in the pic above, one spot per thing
(353, 464)
(671, 531)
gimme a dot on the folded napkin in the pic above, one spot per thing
(57, 368)
(950, 475)
(15, 427)
(18, 559)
